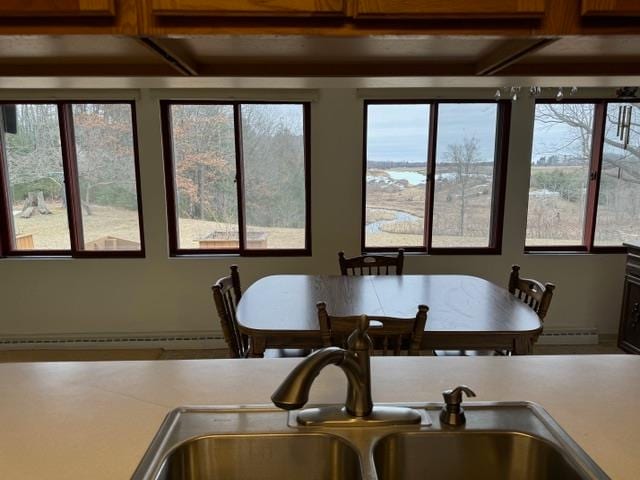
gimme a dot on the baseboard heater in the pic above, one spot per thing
(569, 336)
(176, 341)
(208, 340)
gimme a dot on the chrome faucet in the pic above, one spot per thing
(355, 362)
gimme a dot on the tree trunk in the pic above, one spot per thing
(462, 212)
(201, 192)
(87, 201)
(34, 204)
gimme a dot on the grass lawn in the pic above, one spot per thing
(51, 232)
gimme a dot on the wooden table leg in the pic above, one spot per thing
(258, 345)
(522, 345)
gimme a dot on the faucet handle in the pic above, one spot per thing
(452, 412)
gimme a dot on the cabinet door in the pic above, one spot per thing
(468, 9)
(629, 339)
(247, 8)
(617, 8)
(59, 8)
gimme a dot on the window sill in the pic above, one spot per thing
(237, 254)
(435, 251)
(57, 255)
(568, 252)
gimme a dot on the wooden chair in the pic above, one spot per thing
(389, 335)
(532, 292)
(226, 294)
(371, 264)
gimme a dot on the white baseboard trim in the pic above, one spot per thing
(167, 341)
(569, 336)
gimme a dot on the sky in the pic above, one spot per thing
(398, 133)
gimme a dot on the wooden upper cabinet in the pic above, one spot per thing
(62, 17)
(455, 9)
(57, 8)
(248, 8)
(617, 8)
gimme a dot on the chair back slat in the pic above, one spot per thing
(390, 335)
(372, 264)
(226, 295)
(531, 292)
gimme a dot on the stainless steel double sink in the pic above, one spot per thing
(516, 440)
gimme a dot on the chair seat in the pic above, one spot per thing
(470, 353)
(286, 352)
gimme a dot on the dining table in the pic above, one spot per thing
(465, 312)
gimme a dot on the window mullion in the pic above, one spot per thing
(6, 225)
(242, 225)
(71, 182)
(306, 129)
(431, 175)
(595, 167)
(501, 155)
(171, 189)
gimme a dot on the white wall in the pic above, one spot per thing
(158, 294)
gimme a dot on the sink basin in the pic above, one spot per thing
(277, 456)
(495, 455)
(210, 443)
(499, 441)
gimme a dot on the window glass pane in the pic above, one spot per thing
(397, 137)
(205, 171)
(559, 174)
(107, 177)
(36, 179)
(465, 153)
(274, 175)
(619, 197)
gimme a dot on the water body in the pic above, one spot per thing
(414, 178)
(418, 178)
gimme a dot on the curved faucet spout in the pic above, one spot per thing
(293, 393)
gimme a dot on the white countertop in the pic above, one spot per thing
(94, 420)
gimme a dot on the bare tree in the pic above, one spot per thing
(104, 148)
(619, 196)
(34, 154)
(205, 162)
(464, 157)
(580, 117)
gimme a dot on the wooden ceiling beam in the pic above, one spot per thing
(575, 67)
(83, 68)
(343, 69)
(178, 59)
(509, 52)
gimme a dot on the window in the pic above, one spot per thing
(69, 179)
(434, 175)
(618, 209)
(237, 177)
(585, 172)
